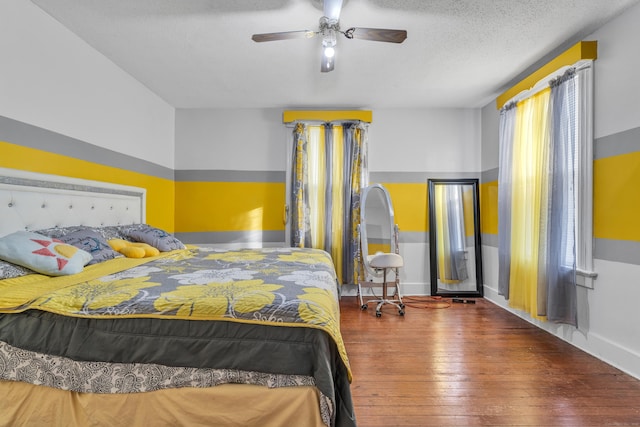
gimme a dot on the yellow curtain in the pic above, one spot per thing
(337, 199)
(316, 184)
(529, 186)
(442, 219)
(326, 191)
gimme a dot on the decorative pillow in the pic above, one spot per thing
(42, 254)
(9, 270)
(109, 232)
(58, 232)
(91, 241)
(133, 249)
(155, 237)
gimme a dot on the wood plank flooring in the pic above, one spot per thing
(446, 364)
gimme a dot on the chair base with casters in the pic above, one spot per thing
(385, 262)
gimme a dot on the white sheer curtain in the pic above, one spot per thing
(561, 239)
(506, 138)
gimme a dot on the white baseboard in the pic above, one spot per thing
(406, 289)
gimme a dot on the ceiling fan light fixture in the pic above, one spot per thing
(329, 52)
(328, 31)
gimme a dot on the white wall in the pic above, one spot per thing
(52, 79)
(616, 74)
(490, 136)
(238, 139)
(425, 140)
(400, 140)
(608, 315)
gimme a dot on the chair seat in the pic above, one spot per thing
(385, 260)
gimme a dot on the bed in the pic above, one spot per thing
(186, 335)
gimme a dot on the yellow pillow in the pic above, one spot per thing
(133, 249)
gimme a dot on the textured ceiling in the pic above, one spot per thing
(459, 53)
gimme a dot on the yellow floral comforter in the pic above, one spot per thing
(278, 286)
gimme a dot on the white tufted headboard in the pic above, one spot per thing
(33, 201)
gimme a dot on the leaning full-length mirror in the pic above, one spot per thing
(454, 238)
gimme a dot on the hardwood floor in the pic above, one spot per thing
(455, 364)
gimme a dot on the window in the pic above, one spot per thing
(327, 171)
(545, 195)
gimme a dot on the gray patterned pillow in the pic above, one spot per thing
(91, 241)
(110, 232)
(155, 237)
(10, 271)
(58, 232)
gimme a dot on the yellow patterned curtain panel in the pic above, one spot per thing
(329, 162)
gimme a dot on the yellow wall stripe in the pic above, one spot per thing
(615, 197)
(489, 207)
(580, 51)
(229, 206)
(410, 205)
(160, 192)
(326, 115)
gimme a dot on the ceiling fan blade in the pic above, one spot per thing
(332, 8)
(286, 35)
(376, 34)
(327, 63)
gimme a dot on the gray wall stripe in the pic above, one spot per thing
(416, 177)
(229, 176)
(489, 240)
(624, 142)
(20, 133)
(255, 236)
(414, 237)
(625, 251)
(489, 175)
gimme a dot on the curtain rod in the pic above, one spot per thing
(543, 83)
(322, 122)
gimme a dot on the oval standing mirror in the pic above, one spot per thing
(454, 238)
(379, 255)
(377, 225)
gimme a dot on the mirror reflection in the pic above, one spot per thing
(455, 238)
(377, 222)
(377, 226)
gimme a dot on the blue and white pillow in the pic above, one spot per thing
(43, 254)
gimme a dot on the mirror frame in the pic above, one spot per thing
(364, 250)
(479, 291)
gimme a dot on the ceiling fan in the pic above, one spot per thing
(329, 28)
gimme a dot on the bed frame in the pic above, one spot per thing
(33, 201)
